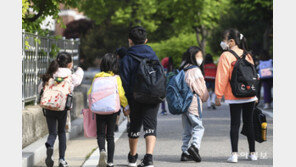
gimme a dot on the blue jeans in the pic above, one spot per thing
(193, 128)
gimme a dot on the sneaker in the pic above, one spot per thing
(132, 160)
(194, 152)
(146, 161)
(233, 158)
(63, 163)
(110, 164)
(186, 157)
(164, 113)
(49, 161)
(252, 157)
(102, 161)
(213, 107)
(116, 128)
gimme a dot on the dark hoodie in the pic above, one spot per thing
(129, 66)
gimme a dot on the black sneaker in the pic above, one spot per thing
(116, 128)
(213, 107)
(49, 161)
(194, 152)
(186, 157)
(132, 160)
(63, 163)
(147, 161)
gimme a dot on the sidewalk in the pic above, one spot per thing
(78, 149)
(215, 147)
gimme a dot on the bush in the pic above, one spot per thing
(174, 47)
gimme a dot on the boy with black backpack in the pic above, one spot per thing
(144, 83)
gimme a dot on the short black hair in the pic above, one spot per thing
(109, 63)
(209, 59)
(138, 35)
(121, 52)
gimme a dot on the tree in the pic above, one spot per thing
(259, 11)
(40, 9)
(198, 16)
(251, 18)
(125, 13)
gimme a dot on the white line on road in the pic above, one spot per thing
(93, 160)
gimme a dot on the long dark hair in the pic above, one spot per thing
(62, 61)
(110, 63)
(189, 58)
(240, 39)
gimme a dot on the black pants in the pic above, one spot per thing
(143, 114)
(52, 118)
(235, 114)
(106, 123)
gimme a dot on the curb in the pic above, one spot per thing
(92, 161)
(36, 152)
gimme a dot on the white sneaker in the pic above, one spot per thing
(252, 157)
(63, 163)
(233, 158)
(103, 161)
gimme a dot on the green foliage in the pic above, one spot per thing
(174, 47)
(31, 20)
(251, 18)
(124, 13)
(102, 39)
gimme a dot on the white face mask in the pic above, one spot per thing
(199, 61)
(224, 45)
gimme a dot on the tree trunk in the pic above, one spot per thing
(201, 35)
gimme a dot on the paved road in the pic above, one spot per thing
(215, 147)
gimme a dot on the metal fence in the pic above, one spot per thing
(37, 53)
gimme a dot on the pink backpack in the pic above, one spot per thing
(89, 123)
(104, 96)
(55, 94)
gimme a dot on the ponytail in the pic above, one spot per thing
(62, 60)
(53, 67)
(239, 38)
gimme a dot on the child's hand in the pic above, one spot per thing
(126, 112)
(218, 102)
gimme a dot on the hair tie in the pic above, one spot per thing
(241, 36)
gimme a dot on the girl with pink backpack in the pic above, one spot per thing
(105, 97)
(57, 84)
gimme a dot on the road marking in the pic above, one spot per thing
(93, 160)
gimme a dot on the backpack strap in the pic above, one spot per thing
(135, 57)
(236, 56)
(198, 107)
(190, 67)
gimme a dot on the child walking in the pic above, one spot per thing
(192, 120)
(106, 122)
(59, 70)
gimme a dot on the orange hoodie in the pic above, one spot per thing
(223, 76)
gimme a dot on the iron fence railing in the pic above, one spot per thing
(37, 53)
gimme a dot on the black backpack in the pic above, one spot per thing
(150, 81)
(259, 132)
(244, 77)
